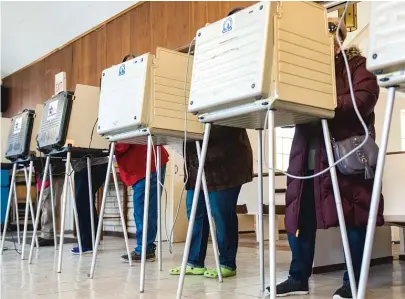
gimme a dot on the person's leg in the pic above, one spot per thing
(98, 174)
(139, 205)
(302, 246)
(46, 238)
(357, 238)
(223, 206)
(199, 239)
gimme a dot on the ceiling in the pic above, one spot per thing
(30, 30)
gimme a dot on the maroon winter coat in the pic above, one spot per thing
(355, 190)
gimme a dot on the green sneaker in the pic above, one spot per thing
(213, 273)
(189, 270)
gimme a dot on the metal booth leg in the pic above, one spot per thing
(75, 214)
(260, 207)
(210, 219)
(28, 206)
(37, 218)
(9, 203)
(124, 225)
(272, 206)
(17, 218)
(63, 212)
(197, 189)
(145, 214)
(101, 216)
(375, 196)
(55, 241)
(339, 208)
(159, 206)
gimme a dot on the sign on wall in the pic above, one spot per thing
(60, 82)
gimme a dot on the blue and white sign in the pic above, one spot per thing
(228, 24)
(122, 70)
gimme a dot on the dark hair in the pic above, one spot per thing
(235, 10)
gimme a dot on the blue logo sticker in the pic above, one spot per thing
(227, 25)
(122, 70)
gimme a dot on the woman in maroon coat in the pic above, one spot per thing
(310, 204)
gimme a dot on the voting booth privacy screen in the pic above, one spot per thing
(19, 136)
(147, 92)
(280, 52)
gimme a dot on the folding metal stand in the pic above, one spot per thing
(201, 179)
(55, 241)
(110, 168)
(28, 208)
(260, 207)
(376, 194)
(272, 215)
(9, 203)
(67, 183)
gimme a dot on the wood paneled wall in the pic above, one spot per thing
(140, 30)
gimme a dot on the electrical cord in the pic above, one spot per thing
(184, 146)
(353, 98)
(169, 236)
(92, 132)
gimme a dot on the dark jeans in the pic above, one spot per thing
(98, 174)
(223, 207)
(139, 204)
(303, 246)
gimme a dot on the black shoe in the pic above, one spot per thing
(45, 242)
(344, 292)
(291, 287)
(150, 257)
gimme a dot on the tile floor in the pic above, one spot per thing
(117, 280)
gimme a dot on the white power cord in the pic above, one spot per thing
(184, 145)
(170, 236)
(349, 77)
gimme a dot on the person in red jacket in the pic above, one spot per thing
(131, 160)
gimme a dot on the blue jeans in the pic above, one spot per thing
(303, 246)
(223, 207)
(139, 204)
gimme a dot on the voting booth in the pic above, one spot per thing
(20, 150)
(144, 101)
(147, 94)
(67, 130)
(268, 65)
(262, 58)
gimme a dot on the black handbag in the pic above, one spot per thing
(364, 160)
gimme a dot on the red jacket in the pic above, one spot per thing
(131, 160)
(39, 182)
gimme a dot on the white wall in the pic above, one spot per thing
(30, 30)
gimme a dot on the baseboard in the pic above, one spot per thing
(339, 267)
